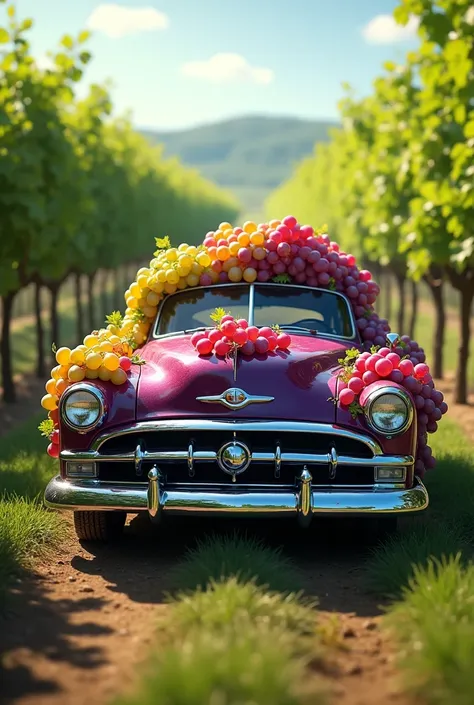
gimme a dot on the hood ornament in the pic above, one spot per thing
(235, 398)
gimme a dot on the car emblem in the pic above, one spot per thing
(233, 458)
(235, 398)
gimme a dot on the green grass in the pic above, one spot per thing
(233, 644)
(220, 557)
(434, 626)
(231, 604)
(27, 530)
(445, 528)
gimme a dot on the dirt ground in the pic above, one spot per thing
(76, 631)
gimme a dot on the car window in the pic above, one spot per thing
(192, 308)
(324, 311)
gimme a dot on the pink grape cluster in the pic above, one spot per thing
(231, 334)
(397, 366)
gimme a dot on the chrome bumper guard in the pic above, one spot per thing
(303, 502)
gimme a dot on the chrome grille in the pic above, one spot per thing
(186, 454)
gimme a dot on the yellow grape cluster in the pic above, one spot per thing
(97, 358)
(171, 269)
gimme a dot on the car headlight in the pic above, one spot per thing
(389, 410)
(83, 408)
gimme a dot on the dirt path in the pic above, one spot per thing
(76, 631)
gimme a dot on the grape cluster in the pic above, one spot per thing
(283, 251)
(103, 355)
(230, 335)
(397, 366)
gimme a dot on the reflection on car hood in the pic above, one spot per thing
(300, 381)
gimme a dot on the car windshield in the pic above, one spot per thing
(318, 310)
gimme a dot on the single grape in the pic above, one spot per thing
(261, 344)
(125, 363)
(346, 397)
(204, 346)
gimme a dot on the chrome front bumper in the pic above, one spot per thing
(302, 502)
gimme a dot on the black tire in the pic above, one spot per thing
(99, 526)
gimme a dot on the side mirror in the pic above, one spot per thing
(393, 339)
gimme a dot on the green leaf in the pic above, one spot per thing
(67, 41)
(460, 113)
(46, 427)
(26, 24)
(4, 36)
(83, 36)
(85, 57)
(11, 11)
(469, 129)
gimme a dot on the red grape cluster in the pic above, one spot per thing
(297, 253)
(397, 366)
(231, 334)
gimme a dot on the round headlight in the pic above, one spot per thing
(83, 408)
(389, 411)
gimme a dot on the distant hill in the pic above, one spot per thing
(248, 155)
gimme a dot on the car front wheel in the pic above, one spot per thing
(99, 526)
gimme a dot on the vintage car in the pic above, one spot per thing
(250, 436)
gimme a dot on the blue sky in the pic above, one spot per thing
(177, 63)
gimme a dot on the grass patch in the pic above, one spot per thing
(394, 562)
(233, 644)
(446, 528)
(246, 559)
(230, 604)
(28, 531)
(210, 669)
(434, 624)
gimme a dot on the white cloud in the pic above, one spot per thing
(116, 21)
(227, 68)
(383, 29)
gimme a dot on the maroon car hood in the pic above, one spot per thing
(300, 380)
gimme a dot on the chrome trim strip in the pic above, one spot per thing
(237, 425)
(304, 458)
(251, 317)
(396, 391)
(97, 393)
(236, 392)
(87, 495)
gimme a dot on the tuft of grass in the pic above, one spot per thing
(394, 562)
(27, 530)
(230, 604)
(446, 528)
(27, 533)
(246, 559)
(234, 644)
(218, 669)
(434, 625)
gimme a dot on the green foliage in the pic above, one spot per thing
(227, 603)
(445, 529)
(434, 624)
(234, 643)
(235, 556)
(78, 190)
(27, 530)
